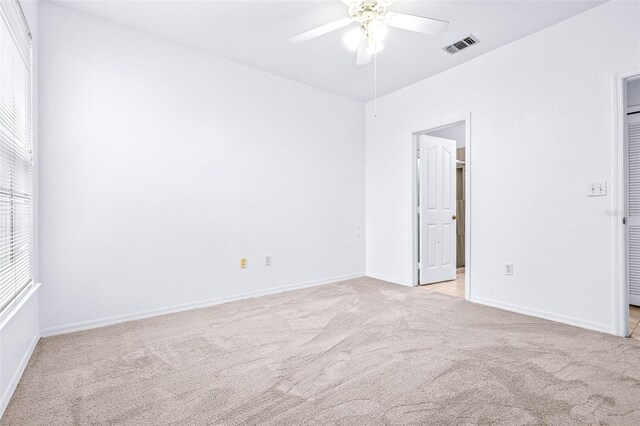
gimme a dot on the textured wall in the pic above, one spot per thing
(541, 131)
(162, 166)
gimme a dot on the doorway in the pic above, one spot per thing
(632, 210)
(442, 207)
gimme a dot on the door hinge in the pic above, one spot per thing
(418, 152)
(624, 220)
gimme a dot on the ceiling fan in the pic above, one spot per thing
(373, 19)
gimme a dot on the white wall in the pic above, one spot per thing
(541, 131)
(19, 330)
(161, 167)
(19, 334)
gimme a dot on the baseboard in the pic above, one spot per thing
(391, 280)
(565, 319)
(86, 325)
(4, 402)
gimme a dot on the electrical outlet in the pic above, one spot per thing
(267, 261)
(508, 269)
(243, 262)
(597, 189)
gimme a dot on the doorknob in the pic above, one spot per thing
(454, 217)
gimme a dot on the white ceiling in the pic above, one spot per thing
(256, 33)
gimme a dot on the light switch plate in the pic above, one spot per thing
(597, 189)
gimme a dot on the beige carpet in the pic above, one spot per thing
(358, 352)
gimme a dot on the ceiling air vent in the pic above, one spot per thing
(462, 44)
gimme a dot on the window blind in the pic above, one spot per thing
(16, 187)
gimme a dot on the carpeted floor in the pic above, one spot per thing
(357, 352)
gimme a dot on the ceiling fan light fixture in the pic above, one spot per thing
(377, 30)
(373, 19)
(374, 47)
(352, 38)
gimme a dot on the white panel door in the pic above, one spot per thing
(437, 201)
(633, 208)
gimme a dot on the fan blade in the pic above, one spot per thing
(415, 23)
(363, 56)
(321, 30)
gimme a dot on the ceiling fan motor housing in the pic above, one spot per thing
(366, 11)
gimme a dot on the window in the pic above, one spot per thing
(16, 194)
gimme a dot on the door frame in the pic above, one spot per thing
(620, 277)
(426, 128)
